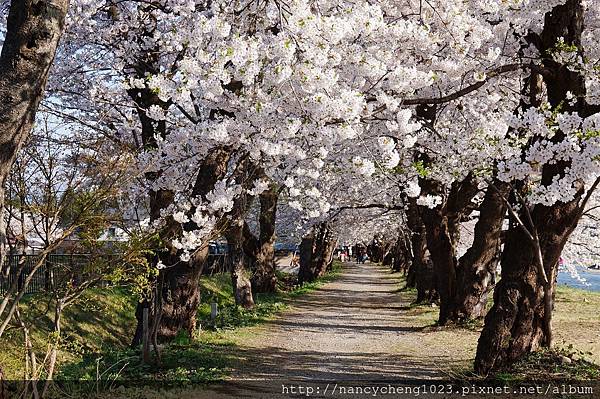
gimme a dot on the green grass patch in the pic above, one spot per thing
(95, 355)
(191, 363)
(217, 289)
(101, 319)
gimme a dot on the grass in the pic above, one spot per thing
(556, 365)
(95, 355)
(189, 363)
(575, 320)
(101, 319)
(217, 289)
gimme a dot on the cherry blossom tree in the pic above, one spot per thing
(356, 119)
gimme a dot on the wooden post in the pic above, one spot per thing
(214, 311)
(145, 337)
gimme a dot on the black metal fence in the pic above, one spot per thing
(47, 271)
(216, 263)
(42, 277)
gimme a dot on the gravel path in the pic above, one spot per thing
(357, 327)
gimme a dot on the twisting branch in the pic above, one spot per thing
(471, 88)
(531, 235)
(588, 196)
(368, 206)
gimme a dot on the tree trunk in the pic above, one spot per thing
(240, 275)
(33, 31)
(328, 251)
(264, 279)
(177, 305)
(442, 225)
(418, 274)
(476, 270)
(323, 250)
(520, 320)
(516, 323)
(399, 256)
(180, 297)
(305, 272)
(240, 278)
(442, 251)
(316, 253)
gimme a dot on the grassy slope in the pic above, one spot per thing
(103, 318)
(99, 328)
(577, 320)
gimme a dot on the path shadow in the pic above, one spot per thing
(281, 364)
(345, 331)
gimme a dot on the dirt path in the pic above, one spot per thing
(358, 330)
(359, 327)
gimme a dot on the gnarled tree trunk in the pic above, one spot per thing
(305, 272)
(316, 253)
(177, 288)
(177, 306)
(240, 275)
(520, 320)
(515, 325)
(399, 255)
(442, 225)
(476, 271)
(181, 296)
(420, 274)
(238, 234)
(442, 251)
(264, 278)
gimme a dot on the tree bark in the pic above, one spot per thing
(181, 296)
(520, 320)
(442, 225)
(240, 275)
(399, 256)
(316, 253)
(305, 273)
(324, 251)
(476, 270)
(419, 274)
(33, 32)
(236, 229)
(264, 278)
(515, 325)
(180, 290)
(441, 249)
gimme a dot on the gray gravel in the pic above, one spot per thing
(350, 329)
